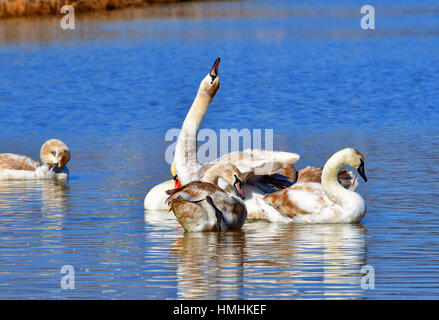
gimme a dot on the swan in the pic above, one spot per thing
(155, 199)
(54, 154)
(259, 164)
(203, 206)
(325, 202)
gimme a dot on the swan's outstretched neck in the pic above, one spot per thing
(332, 187)
(185, 157)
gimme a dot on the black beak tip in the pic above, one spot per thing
(362, 173)
(214, 71)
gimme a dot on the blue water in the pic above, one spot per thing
(112, 88)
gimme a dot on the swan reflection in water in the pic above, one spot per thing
(48, 199)
(162, 220)
(294, 261)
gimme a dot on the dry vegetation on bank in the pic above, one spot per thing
(19, 8)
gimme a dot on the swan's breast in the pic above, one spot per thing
(155, 199)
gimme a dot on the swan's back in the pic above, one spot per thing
(18, 167)
(18, 162)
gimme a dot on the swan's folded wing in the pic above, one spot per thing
(290, 172)
(302, 198)
(259, 162)
(193, 216)
(17, 162)
(193, 192)
(310, 174)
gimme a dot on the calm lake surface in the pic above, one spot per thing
(112, 88)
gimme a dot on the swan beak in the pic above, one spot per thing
(214, 71)
(361, 171)
(239, 189)
(177, 182)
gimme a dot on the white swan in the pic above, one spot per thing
(258, 164)
(203, 206)
(54, 154)
(328, 202)
(155, 199)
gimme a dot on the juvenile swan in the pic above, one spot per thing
(328, 202)
(203, 206)
(54, 154)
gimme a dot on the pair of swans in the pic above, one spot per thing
(54, 155)
(271, 188)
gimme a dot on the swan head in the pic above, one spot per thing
(231, 174)
(55, 154)
(355, 159)
(175, 177)
(210, 84)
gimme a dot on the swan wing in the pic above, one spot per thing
(259, 162)
(301, 198)
(18, 162)
(194, 216)
(195, 191)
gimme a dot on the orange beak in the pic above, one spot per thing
(177, 182)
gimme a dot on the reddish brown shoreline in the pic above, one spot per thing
(21, 8)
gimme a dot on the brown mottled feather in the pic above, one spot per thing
(187, 212)
(290, 172)
(282, 203)
(256, 215)
(195, 190)
(17, 162)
